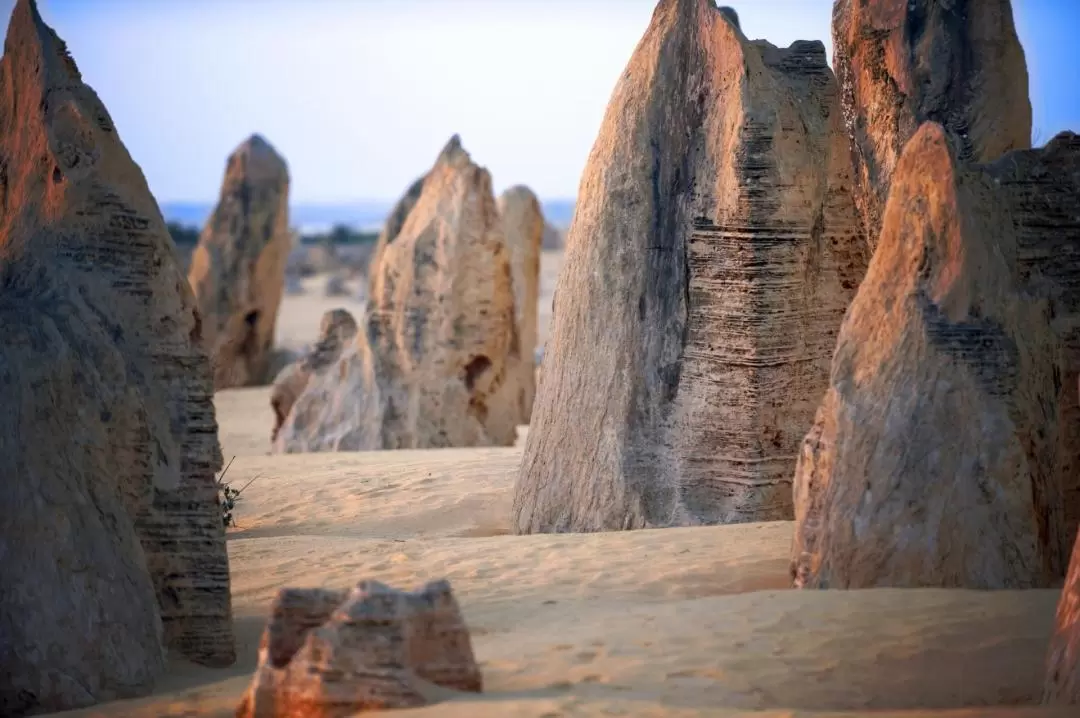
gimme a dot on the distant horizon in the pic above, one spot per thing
(358, 96)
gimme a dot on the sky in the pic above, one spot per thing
(360, 95)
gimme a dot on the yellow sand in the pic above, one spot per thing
(675, 622)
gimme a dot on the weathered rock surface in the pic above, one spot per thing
(1063, 663)
(904, 62)
(336, 331)
(111, 537)
(933, 460)
(330, 654)
(713, 251)
(393, 224)
(434, 365)
(1042, 190)
(523, 225)
(238, 269)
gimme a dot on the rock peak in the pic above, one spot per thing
(453, 152)
(27, 32)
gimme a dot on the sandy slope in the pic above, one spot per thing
(676, 622)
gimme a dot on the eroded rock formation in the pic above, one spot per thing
(934, 457)
(238, 269)
(393, 224)
(112, 538)
(523, 225)
(434, 365)
(1063, 664)
(336, 331)
(713, 251)
(335, 653)
(904, 62)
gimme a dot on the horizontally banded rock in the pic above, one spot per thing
(934, 457)
(435, 362)
(238, 269)
(331, 654)
(713, 252)
(1042, 190)
(523, 224)
(1063, 664)
(336, 330)
(904, 62)
(111, 536)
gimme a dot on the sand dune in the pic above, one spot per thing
(674, 622)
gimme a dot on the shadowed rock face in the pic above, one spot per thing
(523, 224)
(109, 441)
(335, 653)
(394, 222)
(904, 62)
(934, 458)
(435, 364)
(712, 254)
(238, 269)
(336, 331)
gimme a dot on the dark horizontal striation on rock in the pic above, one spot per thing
(715, 202)
(1042, 188)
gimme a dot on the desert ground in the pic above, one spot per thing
(671, 622)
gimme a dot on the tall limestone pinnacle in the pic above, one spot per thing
(904, 62)
(435, 361)
(109, 445)
(238, 269)
(713, 251)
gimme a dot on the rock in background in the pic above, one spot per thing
(435, 362)
(523, 225)
(933, 460)
(336, 331)
(713, 252)
(109, 442)
(904, 62)
(238, 269)
(335, 653)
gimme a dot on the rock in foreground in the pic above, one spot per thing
(904, 62)
(111, 540)
(713, 252)
(331, 654)
(934, 458)
(238, 269)
(435, 362)
(1063, 664)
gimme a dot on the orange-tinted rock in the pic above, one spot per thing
(1063, 664)
(904, 62)
(934, 458)
(331, 654)
(112, 539)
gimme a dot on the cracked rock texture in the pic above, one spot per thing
(934, 457)
(904, 62)
(713, 252)
(336, 331)
(109, 446)
(434, 364)
(238, 269)
(1063, 664)
(331, 654)
(523, 225)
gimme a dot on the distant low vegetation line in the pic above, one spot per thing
(340, 235)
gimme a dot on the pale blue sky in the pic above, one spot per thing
(359, 95)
